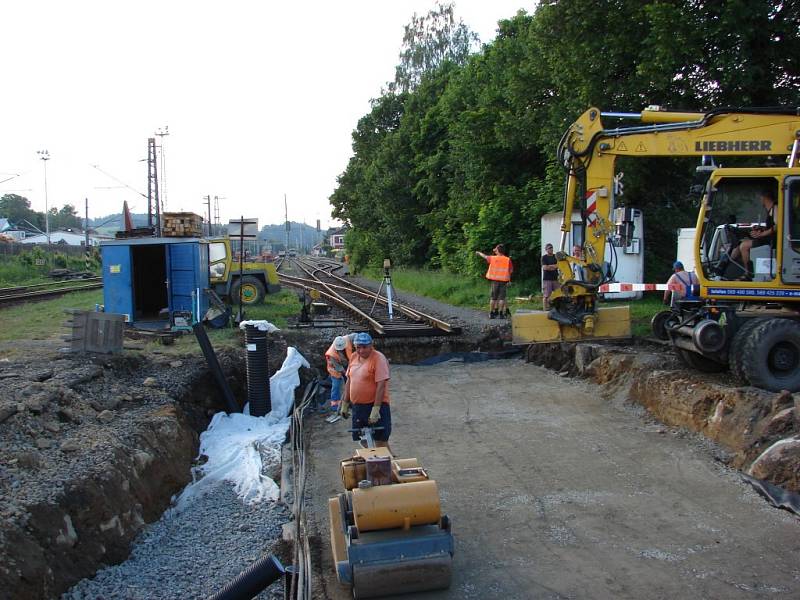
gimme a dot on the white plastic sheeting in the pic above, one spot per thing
(236, 445)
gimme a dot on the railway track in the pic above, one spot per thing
(366, 306)
(39, 291)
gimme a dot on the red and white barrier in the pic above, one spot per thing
(639, 287)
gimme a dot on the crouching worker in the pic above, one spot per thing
(337, 358)
(367, 389)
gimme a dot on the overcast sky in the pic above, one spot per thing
(260, 97)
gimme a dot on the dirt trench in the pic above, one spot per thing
(92, 449)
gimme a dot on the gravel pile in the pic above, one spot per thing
(192, 553)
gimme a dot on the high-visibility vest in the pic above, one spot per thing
(333, 356)
(499, 268)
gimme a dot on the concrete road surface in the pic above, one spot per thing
(555, 492)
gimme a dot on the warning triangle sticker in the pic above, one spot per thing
(622, 147)
(641, 147)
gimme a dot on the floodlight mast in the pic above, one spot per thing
(45, 156)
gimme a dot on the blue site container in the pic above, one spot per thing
(153, 281)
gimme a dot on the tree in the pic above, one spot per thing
(65, 218)
(428, 42)
(16, 208)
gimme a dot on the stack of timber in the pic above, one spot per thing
(181, 224)
(136, 232)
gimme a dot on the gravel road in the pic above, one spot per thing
(555, 492)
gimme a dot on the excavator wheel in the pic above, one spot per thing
(771, 356)
(252, 291)
(736, 351)
(699, 362)
(659, 323)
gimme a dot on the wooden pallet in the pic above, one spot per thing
(182, 224)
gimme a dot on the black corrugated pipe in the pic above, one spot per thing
(216, 370)
(256, 578)
(257, 371)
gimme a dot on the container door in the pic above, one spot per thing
(180, 264)
(118, 280)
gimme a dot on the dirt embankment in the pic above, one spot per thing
(91, 449)
(760, 430)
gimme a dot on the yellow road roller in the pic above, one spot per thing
(388, 533)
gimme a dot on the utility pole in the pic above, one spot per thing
(217, 224)
(208, 205)
(286, 213)
(86, 224)
(152, 187)
(162, 132)
(87, 255)
(45, 156)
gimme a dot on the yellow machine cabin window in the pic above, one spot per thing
(734, 243)
(216, 259)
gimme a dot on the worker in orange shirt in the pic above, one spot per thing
(499, 273)
(367, 388)
(337, 359)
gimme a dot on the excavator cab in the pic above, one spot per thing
(732, 215)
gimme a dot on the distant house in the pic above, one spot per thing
(10, 231)
(317, 249)
(69, 238)
(336, 238)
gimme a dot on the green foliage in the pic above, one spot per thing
(428, 42)
(34, 265)
(458, 155)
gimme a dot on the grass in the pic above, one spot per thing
(276, 309)
(24, 270)
(473, 292)
(44, 320)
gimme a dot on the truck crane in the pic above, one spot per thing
(745, 317)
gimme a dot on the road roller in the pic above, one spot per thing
(388, 533)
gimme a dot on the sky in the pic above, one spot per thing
(259, 98)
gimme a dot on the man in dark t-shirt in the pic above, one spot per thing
(549, 275)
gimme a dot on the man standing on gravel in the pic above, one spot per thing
(367, 388)
(499, 273)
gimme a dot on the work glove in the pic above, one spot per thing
(374, 415)
(344, 408)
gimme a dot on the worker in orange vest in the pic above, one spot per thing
(337, 359)
(499, 273)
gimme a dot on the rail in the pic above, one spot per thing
(46, 290)
(347, 295)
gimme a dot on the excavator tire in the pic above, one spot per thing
(252, 291)
(736, 351)
(699, 362)
(771, 355)
(659, 323)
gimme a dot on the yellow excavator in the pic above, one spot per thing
(745, 314)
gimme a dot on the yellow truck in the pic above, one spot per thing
(255, 280)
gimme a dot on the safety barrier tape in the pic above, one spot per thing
(639, 287)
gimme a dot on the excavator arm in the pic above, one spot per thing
(588, 152)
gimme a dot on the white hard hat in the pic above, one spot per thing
(339, 343)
